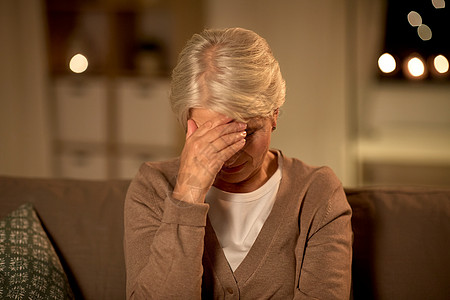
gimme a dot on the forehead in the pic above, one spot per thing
(202, 115)
(257, 122)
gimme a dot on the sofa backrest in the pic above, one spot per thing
(401, 243)
(84, 221)
(401, 236)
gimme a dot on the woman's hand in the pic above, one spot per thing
(206, 149)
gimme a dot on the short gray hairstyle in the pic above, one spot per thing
(230, 71)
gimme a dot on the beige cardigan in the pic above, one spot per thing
(303, 251)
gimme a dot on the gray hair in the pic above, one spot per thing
(230, 71)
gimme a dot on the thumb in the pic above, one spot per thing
(191, 128)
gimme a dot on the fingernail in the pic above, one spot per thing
(242, 125)
(244, 133)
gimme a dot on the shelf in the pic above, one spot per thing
(419, 146)
(115, 115)
(120, 37)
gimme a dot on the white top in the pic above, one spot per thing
(237, 218)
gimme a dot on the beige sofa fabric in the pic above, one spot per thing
(84, 221)
(401, 236)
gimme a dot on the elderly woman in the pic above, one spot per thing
(231, 218)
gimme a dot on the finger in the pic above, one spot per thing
(227, 131)
(231, 150)
(221, 121)
(191, 128)
(227, 140)
(223, 143)
(214, 123)
(211, 163)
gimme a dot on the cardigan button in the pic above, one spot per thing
(230, 291)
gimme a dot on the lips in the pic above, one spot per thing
(233, 169)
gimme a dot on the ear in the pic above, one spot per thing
(275, 118)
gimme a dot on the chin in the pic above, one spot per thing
(231, 178)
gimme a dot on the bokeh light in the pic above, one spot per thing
(78, 63)
(386, 63)
(438, 3)
(416, 67)
(424, 32)
(414, 19)
(441, 64)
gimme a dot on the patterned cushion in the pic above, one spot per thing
(29, 266)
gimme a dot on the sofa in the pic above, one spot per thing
(401, 236)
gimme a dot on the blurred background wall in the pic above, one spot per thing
(104, 122)
(25, 147)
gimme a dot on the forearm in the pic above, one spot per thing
(172, 271)
(164, 257)
(326, 265)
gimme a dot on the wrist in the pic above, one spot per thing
(189, 194)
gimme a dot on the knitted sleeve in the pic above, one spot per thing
(163, 240)
(326, 266)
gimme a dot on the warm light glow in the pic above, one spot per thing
(414, 19)
(386, 63)
(424, 32)
(438, 3)
(416, 67)
(78, 63)
(441, 64)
